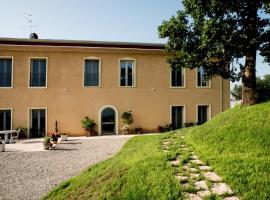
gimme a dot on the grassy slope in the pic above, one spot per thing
(139, 171)
(237, 144)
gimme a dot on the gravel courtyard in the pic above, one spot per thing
(30, 175)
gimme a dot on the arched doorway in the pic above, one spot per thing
(108, 121)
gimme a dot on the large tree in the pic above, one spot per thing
(263, 89)
(218, 35)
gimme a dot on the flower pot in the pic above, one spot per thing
(2, 147)
(47, 146)
(64, 137)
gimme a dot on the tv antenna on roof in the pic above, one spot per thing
(30, 24)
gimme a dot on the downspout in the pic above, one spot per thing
(221, 93)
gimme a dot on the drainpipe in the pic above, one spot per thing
(221, 93)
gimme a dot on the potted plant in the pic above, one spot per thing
(138, 130)
(64, 136)
(89, 126)
(127, 119)
(2, 146)
(47, 143)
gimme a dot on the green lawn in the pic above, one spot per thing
(140, 171)
(236, 143)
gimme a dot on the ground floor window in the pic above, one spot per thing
(37, 123)
(177, 116)
(5, 119)
(203, 114)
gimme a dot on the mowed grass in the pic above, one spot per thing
(237, 144)
(139, 171)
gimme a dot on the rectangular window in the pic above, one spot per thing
(37, 123)
(177, 77)
(127, 73)
(177, 116)
(5, 72)
(201, 78)
(203, 112)
(5, 120)
(38, 70)
(91, 72)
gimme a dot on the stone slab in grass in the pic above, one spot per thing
(166, 142)
(212, 176)
(204, 193)
(181, 178)
(193, 170)
(231, 198)
(194, 157)
(194, 176)
(205, 168)
(175, 163)
(221, 189)
(190, 196)
(201, 185)
(197, 162)
(185, 167)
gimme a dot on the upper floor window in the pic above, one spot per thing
(91, 72)
(38, 72)
(5, 72)
(177, 77)
(5, 119)
(202, 81)
(127, 73)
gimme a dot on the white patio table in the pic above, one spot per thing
(6, 133)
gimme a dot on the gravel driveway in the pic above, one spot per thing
(29, 175)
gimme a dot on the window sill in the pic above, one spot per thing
(127, 86)
(38, 87)
(178, 87)
(98, 86)
(203, 87)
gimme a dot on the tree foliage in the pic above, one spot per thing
(216, 34)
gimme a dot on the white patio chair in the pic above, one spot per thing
(15, 135)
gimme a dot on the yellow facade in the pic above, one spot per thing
(68, 101)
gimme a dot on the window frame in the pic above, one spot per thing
(99, 71)
(29, 73)
(209, 112)
(29, 120)
(184, 81)
(12, 71)
(134, 82)
(11, 116)
(197, 86)
(184, 113)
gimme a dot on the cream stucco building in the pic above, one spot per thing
(43, 81)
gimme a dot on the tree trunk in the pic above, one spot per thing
(249, 89)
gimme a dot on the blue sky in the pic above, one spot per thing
(105, 20)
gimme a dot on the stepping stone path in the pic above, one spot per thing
(197, 180)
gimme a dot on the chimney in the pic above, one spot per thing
(33, 36)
